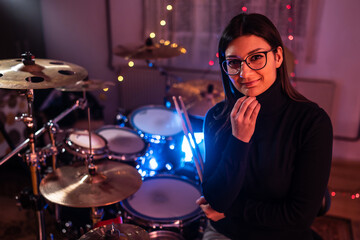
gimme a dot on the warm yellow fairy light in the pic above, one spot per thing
(131, 64)
(169, 7)
(162, 41)
(167, 42)
(106, 89)
(120, 78)
(174, 45)
(152, 35)
(183, 50)
(162, 22)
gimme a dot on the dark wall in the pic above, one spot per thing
(21, 28)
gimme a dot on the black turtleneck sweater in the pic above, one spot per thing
(271, 187)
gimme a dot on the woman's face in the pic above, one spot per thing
(253, 82)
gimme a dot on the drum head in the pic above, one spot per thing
(122, 142)
(164, 199)
(77, 142)
(156, 121)
(81, 138)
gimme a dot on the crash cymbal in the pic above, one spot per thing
(162, 49)
(199, 95)
(73, 186)
(116, 231)
(38, 73)
(87, 85)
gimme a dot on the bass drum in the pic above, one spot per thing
(165, 205)
(123, 143)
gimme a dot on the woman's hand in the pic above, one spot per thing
(243, 118)
(209, 212)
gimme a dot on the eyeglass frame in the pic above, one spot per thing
(241, 61)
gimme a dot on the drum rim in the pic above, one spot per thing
(97, 153)
(124, 156)
(194, 215)
(165, 233)
(146, 134)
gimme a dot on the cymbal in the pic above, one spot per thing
(150, 51)
(87, 85)
(199, 95)
(41, 74)
(128, 231)
(73, 186)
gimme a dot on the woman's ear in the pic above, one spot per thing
(279, 57)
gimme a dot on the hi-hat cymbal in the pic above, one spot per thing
(41, 74)
(150, 51)
(127, 231)
(87, 85)
(73, 186)
(199, 95)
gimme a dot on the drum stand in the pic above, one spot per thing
(34, 158)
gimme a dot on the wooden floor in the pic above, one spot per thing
(345, 182)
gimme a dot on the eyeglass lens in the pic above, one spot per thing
(255, 61)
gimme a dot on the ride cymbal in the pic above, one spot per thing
(87, 85)
(38, 73)
(116, 231)
(73, 186)
(199, 95)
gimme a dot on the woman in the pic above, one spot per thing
(268, 149)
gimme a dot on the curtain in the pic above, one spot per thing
(197, 25)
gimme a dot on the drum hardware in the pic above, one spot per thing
(117, 232)
(27, 74)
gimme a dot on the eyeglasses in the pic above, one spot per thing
(255, 61)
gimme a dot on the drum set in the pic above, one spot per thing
(126, 182)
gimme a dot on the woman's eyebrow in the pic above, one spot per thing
(251, 52)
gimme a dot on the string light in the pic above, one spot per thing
(169, 7)
(349, 195)
(162, 22)
(131, 63)
(244, 9)
(152, 35)
(120, 78)
(106, 89)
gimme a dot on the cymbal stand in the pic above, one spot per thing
(33, 159)
(80, 103)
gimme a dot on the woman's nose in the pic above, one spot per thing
(244, 70)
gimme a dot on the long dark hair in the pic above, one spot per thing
(260, 26)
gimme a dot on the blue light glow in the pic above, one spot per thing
(153, 164)
(185, 147)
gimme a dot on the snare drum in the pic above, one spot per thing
(164, 203)
(124, 144)
(77, 143)
(155, 123)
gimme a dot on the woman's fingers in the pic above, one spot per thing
(243, 117)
